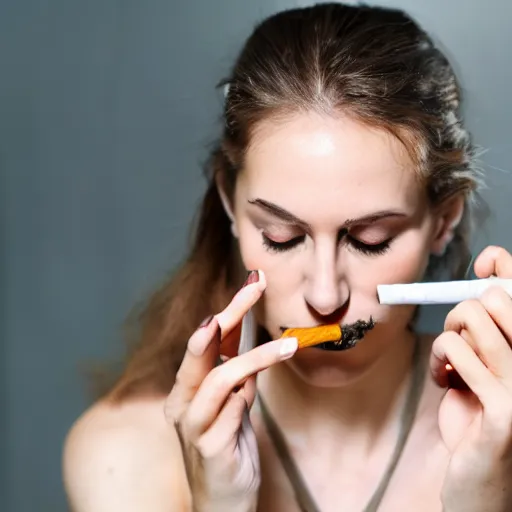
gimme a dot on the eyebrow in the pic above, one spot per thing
(285, 215)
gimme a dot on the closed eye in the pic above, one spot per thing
(272, 245)
(369, 249)
(362, 247)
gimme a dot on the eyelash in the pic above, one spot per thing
(366, 249)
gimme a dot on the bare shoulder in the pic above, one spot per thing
(124, 457)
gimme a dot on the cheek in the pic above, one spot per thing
(282, 272)
(405, 262)
(253, 253)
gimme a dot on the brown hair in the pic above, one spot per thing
(374, 64)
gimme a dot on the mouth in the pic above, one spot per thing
(351, 335)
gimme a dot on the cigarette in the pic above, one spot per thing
(309, 336)
(449, 292)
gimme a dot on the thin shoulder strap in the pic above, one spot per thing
(302, 494)
(419, 369)
(300, 489)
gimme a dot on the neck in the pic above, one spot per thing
(361, 413)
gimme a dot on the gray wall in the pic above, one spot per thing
(106, 109)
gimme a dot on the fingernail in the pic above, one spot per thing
(206, 321)
(253, 277)
(288, 347)
(198, 344)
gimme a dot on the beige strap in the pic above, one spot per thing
(302, 494)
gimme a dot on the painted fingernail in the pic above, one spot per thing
(198, 344)
(253, 277)
(288, 347)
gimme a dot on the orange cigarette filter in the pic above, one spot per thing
(310, 336)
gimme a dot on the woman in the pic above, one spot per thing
(343, 165)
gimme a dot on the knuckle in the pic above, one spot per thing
(445, 343)
(205, 449)
(469, 307)
(496, 301)
(494, 252)
(187, 427)
(493, 352)
(464, 312)
(500, 252)
(210, 447)
(218, 380)
(446, 339)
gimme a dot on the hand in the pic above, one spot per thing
(209, 406)
(476, 423)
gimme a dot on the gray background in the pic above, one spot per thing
(106, 110)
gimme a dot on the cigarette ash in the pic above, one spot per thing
(351, 335)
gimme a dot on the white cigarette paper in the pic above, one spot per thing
(449, 292)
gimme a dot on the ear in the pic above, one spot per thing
(226, 203)
(449, 217)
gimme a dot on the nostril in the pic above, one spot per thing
(328, 317)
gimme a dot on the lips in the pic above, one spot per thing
(330, 345)
(351, 335)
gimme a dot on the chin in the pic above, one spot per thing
(329, 369)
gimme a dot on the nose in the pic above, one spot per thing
(326, 290)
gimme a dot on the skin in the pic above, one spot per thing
(339, 411)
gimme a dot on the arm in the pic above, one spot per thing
(116, 461)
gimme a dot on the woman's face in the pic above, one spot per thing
(328, 209)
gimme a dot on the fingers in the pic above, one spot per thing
(200, 357)
(224, 430)
(498, 304)
(220, 382)
(493, 396)
(231, 342)
(494, 261)
(487, 324)
(248, 440)
(202, 351)
(452, 348)
(244, 299)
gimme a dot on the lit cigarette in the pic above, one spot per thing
(310, 336)
(450, 292)
(345, 336)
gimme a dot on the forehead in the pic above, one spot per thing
(332, 158)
